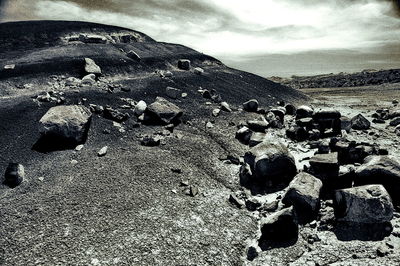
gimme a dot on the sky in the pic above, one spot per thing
(266, 37)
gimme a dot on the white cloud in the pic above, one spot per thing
(239, 28)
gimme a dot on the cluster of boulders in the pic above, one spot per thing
(360, 179)
(381, 116)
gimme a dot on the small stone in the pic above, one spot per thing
(184, 95)
(243, 135)
(149, 141)
(193, 191)
(184, 64)
(359, 122)
(173, 93)
(14, 175)
(79, 147)
(216, 112)
(236, 201)
(251, 105)
(133, 55)
(252, 253)
(382, 250)
(140, 108)
(209, 125)
(103, 151)
(225, 107)
(91, 67)
(198, 71)
(41, 178)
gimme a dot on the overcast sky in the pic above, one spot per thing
(268, 37)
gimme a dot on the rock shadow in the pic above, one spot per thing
(363, 232)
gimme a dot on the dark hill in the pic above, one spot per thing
(127, 208)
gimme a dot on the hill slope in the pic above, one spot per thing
(127, 208)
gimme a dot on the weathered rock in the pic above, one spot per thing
(198, 70)
(173, 93)
(365, 204)
(225, 107)
(70, 123)
(216, 112)
(290, 109)
(345, 123)
(326, 115)
(303, 193)
(150, 141)
(140, 108)
(115, 115)
(306, 122)
(103, 151)
(280, 226)
(397, 130)
(383, 170)
(251, 105)
(91, 67)
(235, 200)
(256, 138)
(163, 112)
(89, 80)
(72, 81)
(259, 125)
(184, 64)
(394, 113)
(133, 55)
(325, 167)
(359, 122)
(14, 175)
(279, 112)
(97, 109)
(304, 111)
(395, 122)
(297, 133)
(271, 163)
(244, 135)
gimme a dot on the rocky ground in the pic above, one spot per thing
(127, 151)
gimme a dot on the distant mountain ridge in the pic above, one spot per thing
(363, 78)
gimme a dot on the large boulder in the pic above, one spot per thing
(383, 170)
(364, 204)
(91, 67)
(279, 227)
(251, 105)
(14, 174)
(325, 167)
(68, 122)
(303, 193)
(304, 111)
(359, 122)
(163, 112)
(271, 163)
